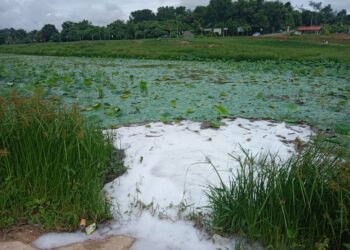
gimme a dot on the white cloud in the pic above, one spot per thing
(192, 4)
(33, 14)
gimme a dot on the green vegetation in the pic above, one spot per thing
(237, 48)
(303, 203)
(55, 163)
(52, 166)
(124, 91)
(241, 17)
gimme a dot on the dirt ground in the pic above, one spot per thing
(13, 239)
(23, 233)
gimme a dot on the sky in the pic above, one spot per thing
(33, 14)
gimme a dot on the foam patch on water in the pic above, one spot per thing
(168, 174)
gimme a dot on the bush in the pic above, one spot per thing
(52, 166)
(303, 203)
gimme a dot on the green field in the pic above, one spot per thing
(237, 48)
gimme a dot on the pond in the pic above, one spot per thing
(123, 91)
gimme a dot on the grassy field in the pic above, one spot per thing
(237, 48)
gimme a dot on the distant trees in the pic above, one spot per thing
(142, 15)
(166, 13)
(83, 30)
(314, 15)
(218, 11)
(239, 16)
(119, 30)
(341, 17)
(48, 32)
(9, 36)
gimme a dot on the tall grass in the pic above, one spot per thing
(52, 166)
(303, 203)
(305, 48)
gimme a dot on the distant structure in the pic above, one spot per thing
(188, 34)
(309, 29)
(240, 30)
(216, 31)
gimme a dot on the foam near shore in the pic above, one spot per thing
(168, 173)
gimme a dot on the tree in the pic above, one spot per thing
(276, 13)
(142, 15)
(166, 13)
(33, 36)
(118, 30)
(341, 16)
(199, 13)
(261, 22)
(218, 11)
(55, 37)
(181, 11)
(317, 7)
(244, 11)
(47, 32)
(2, 37)
(252, 15)
(327, 14)
(307, 17)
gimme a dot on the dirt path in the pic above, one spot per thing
(21, 238)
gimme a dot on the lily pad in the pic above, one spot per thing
(113, 111)
(221, 110)
(173, 103)
(143, 86)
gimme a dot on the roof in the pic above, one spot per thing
(309, 28)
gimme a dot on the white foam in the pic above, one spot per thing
(168, 174)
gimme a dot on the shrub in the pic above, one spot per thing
(303, 203)
(52, 165)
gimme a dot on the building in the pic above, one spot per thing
(217, 31)
(310, 29)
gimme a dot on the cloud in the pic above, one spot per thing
(34, 14)
(192, 4)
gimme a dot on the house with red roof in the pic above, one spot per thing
(310, 29)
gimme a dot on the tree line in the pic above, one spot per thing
(235, 17)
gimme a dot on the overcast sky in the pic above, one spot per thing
(33, 14)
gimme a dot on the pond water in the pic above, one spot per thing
(120, 91)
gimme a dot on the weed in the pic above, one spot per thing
(302, 203)
(53, 165)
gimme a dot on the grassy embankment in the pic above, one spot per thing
(53, 166)
(303, 203)
(237, 48)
